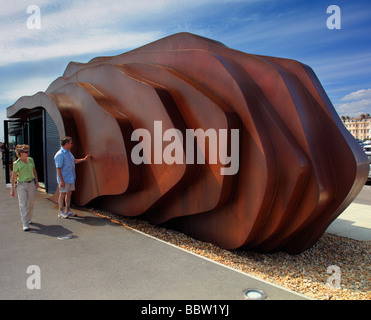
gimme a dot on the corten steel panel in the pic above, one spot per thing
(299, 168)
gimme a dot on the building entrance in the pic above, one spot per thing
(38, 130)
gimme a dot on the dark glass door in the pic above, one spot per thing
(15, 132)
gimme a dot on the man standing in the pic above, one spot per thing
(66, 176)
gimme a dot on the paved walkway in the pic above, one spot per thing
(355, 221)
(104, 260)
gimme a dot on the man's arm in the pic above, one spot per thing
(59, 173)
(82, 160)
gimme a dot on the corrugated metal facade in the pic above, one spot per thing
(52, 145)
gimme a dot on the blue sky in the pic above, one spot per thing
(78, 30)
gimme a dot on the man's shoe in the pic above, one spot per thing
(26, 228)
(62, 215)
(71, 214)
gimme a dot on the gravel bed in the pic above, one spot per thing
(305, 273)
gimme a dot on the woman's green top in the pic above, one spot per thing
(24, 170)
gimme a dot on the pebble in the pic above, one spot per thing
(305, 273)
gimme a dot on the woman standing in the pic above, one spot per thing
(24, 170)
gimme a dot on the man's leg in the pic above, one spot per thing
(62, 196)
(61, 199)
(68, 200)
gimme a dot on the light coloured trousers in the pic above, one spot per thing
(26, 198)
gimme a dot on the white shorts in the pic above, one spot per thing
(68, 187)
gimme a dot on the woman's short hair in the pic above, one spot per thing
(19, 148)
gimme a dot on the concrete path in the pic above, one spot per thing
(99, 259)
(104, 260)
(355, 221)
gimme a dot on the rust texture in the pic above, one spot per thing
(299, 167)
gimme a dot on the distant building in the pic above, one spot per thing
(359, 127)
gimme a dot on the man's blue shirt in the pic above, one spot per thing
(66, 161)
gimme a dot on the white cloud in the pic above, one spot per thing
(360, 103)
(358, 95)
(76, 27)
(25, 87)
(19, 6)
(332, 69)
(73, 46)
